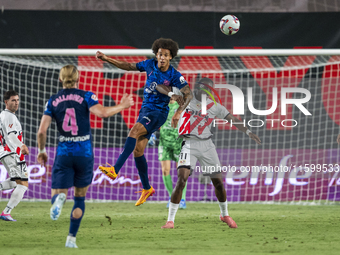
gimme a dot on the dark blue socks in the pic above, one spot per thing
(142, 167)
(54, 198)
(79, 202)
(129, 146)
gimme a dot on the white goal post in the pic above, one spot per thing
(296, 163)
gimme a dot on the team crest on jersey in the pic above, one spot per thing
(94, 97)
(182, 80)
(182, 161)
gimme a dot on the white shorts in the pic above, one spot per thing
(14, 169)
(202, 150)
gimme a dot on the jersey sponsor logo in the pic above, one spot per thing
(166, 82)
(74, 138)
(182, 80)
(10, 125)
(182, 161)
(151, 88)
(94, 97)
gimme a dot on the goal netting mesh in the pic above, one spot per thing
(304, 144)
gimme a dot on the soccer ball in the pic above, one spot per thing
(229, 24)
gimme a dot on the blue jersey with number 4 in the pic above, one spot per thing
(154, 76)
(70, 109)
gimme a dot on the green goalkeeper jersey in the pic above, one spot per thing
(168, 134)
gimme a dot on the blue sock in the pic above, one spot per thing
(54, 198)
(129, 146)
(79, 202)
(142, 167)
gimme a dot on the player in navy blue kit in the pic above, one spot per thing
(73, 165)
(154, 110)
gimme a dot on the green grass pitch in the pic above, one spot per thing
(263, 229)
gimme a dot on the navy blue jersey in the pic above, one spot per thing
(70, 109)
(152, 98)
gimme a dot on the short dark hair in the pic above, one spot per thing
(204, 83)
(165, 43)
(8, 94)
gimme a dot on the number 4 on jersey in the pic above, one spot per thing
(70, 121)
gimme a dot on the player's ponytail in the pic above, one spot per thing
(68, 76)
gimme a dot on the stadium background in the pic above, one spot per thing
(92, 29)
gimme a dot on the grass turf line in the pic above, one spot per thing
(263, 229)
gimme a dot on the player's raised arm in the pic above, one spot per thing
(42, 134)
(105, 112)
(187, 96)
(166, 90)
(234, 120)
(117, 63)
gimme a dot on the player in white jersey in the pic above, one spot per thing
(12, 151)
(195, 128)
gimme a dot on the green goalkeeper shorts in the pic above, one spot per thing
(169, 150)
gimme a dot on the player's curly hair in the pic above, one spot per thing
(165, 43)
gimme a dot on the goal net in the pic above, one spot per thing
(287, 97)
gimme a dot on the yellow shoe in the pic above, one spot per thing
(145, 194)
(109, 171)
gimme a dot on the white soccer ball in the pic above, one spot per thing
(229, 24)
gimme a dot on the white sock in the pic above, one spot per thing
(16, 197)
(172, 211)
(224, 208)
(7, 184)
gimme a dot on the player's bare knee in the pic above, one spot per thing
(165, 171)
(181, 183)
(137, 153)
(77, 213)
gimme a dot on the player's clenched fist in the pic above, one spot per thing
(24, 150)
(100, 55)
(127, 101)
(42, 159)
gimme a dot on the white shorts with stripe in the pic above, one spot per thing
(202, 150)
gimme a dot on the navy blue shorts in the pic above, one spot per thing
(152, 120)
(69, 171)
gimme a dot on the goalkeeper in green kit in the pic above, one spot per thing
(168, 149)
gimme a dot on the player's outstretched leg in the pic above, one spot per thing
(222, 198)
(15, 199)
(183, 174)
(77, 214)
(112, 171)
(58, 201)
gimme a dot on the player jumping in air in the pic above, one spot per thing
(154, 110)
(12, 151)
(168, 149)
(73, 164)
(195, 128)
